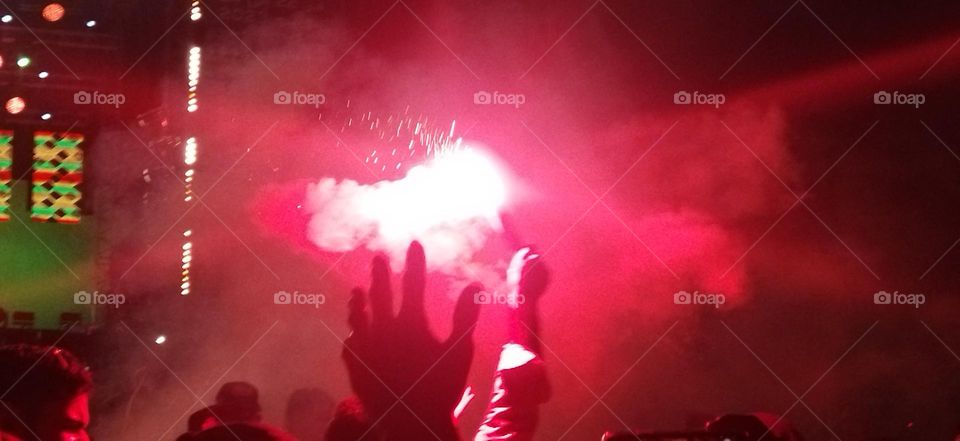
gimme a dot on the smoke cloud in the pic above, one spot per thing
(450, 205)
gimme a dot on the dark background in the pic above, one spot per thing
(697, 213)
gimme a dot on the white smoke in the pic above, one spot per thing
(450, 204)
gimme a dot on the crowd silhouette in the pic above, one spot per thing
(408, 385)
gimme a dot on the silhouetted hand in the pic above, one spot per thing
(408, 380)
(527, 275)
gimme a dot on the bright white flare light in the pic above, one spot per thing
(449, 204)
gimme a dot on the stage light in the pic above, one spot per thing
(193, 78)
(91, 23)
(43, 74)
(7, 18)
(161, 339)
(15, 105)
(190, 151)
(23, 61)
(53, 12)
(46, 116)
(195, 12)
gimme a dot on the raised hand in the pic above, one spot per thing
(527, 275)
(408, 380)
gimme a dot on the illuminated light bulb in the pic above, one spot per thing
(192, 108)
(15, 105)
(53, 12)
(91, 23)
(187, 233)
(23, 61)
(7, 18)
(46, 116)
(43, 74)
(161, 339)
(190, 151)
(184, 292)
(188, 245)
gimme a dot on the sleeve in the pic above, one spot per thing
(520, 387)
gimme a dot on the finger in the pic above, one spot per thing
(414, 281)
(515, 269)
(467, 312)
(357, 314)
(535, 276)
(381, 301)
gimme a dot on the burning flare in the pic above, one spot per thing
(450, 204)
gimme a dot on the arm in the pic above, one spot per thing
(520, 385)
